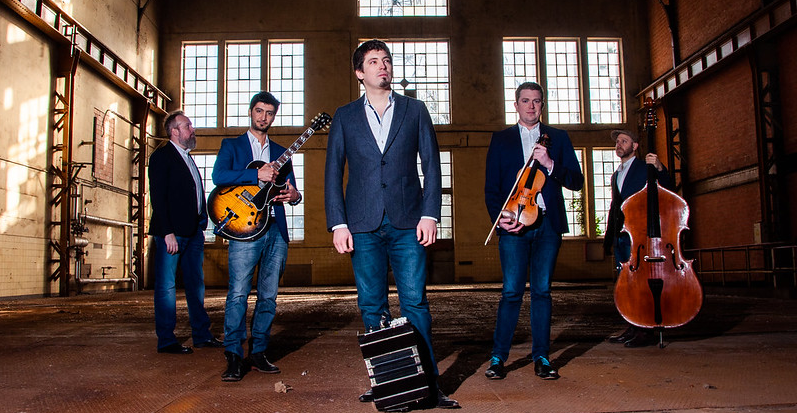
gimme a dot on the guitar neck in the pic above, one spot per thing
(286, 156)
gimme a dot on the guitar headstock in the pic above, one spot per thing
(322, 120)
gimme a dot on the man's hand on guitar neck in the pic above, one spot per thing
(267, 173)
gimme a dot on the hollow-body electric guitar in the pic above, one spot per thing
(241, 212)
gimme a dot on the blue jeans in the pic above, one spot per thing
(270, 252)
(190, 257)
(399, 248)
(528, 256)
(622, 250)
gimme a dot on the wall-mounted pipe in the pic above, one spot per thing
(128, 226)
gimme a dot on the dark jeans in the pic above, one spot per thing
(530, 256)
(189, 257)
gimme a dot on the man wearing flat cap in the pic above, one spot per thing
(629, 178)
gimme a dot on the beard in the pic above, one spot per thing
(258, 128)
(623, 153)
(189, 142)
(384, 83)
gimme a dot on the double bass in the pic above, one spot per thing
(657, 287)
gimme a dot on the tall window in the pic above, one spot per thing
(200, 83)
(520, 65)
(561, 62)
(397, 8)
(575, 204)
(243, 80)
(205, 165)
(605, 82)
(295, 214)
(445, 228)
(420, 70)
(286, 81)
(604, 163)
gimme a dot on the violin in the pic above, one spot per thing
(657, 287)
(521, 205)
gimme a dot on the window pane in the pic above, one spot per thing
(200, 85)
(286, 81)
(520, 65)
(243, 80)
(574, 204)
(445, 228)
(295, 214)
(205, 165)
(398, 8)
(604, 162)
(420, 70)
(561, 63)
(605, 83)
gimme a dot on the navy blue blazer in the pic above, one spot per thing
(635, 180)
(172, 192)
(230, 169)
(505, 159)
(380, 183)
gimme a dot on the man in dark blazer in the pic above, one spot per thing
(178, 219)
(629, 178)
(528, 254)
(268, 251)
(386, 218)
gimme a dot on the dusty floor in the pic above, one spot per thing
(96, 353)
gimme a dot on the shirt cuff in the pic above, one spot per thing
(432, 218)
(339, 226)
(297, 201)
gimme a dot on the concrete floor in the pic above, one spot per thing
(96, 353)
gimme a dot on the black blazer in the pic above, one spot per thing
(635, 180)
(172, 192)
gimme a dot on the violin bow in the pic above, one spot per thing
(511, 192)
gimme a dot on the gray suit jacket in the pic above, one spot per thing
(382, 182)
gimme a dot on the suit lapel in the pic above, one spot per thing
(362, 124)
(399, 110)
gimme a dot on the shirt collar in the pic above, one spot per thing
(184, 152)
(390, 99)
(534, 129)
(253, 139)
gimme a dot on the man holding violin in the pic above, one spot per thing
(528, 250)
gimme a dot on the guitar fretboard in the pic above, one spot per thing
(286, 156)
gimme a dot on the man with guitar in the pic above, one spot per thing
(268, 251)
(385, 219)
(528, 252)
(629, 178)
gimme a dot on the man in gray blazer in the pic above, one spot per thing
(386, 218)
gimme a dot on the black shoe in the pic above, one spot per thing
(444, 402)
(235, 367)
(642, 338)
(367, 397)
(628, 334)
(213, 343)
(261, 364)
(175, 348)
(496, 370)
(543, 369)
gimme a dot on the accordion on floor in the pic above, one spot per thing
(395, 364)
